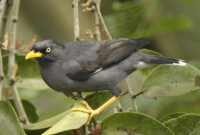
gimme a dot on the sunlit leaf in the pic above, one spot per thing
(72, 120)
(171, 116)
(9, 123)
(185, 124)
(133, 123)
(171, 81)
(65, 119)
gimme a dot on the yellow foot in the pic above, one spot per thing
(89, 110)
(94, 112)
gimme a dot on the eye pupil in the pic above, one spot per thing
(48, 49)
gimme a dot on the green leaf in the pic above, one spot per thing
(29, 72)
(185, 124)
(72, 120)
(135, 123)
(40, 127)
(171, 116)
(29, 109)
(27, 68)
(99, 99)
(170, 81)
(9, 123)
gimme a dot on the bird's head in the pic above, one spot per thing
(47, 50)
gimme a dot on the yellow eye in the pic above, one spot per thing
(48, 50)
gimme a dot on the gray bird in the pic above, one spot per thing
(88, 66)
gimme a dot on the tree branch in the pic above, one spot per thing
(2, 6)
(102, 21)
(131, 93)
(11, 66)
(76, 20)
(3, 12)
(96, 24)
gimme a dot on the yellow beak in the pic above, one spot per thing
(32, 54)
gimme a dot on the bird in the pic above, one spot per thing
(91, 66)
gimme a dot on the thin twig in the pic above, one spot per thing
(11, 68)
(115, 110)
(2, 6)
(76, 20)
(131, 93)
(96, 24)
(3, 13)
(120, 107)
(102, 21)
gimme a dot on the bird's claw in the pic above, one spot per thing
(86, 105)
(89, 111)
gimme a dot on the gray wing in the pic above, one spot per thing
(87, 57)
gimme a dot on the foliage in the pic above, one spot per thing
(9, 123)
(134, 19)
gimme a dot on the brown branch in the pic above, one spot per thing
(11, 65)
(131, 93)
(96, 24)
(105, 29)
(76, 20)
(3, 9)
(2, 6)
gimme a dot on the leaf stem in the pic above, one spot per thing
(102, 20)
(11, 65)
(96, 25)
(2, 6)
(131, 93)
(76, 20)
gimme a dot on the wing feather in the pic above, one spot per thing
(108, 52)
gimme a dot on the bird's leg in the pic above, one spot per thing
(97, 111)
(69, 95)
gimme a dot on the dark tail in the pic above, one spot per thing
(154, 59)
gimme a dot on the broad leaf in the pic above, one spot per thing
(170, 81)
(171, 116)
(29, 109)
(188, 103)
(40, 127)
(26, 69)
(72, 120)
(9, 123)
(29, 72)
(133, 123)
(185, 124)
(99, 99)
